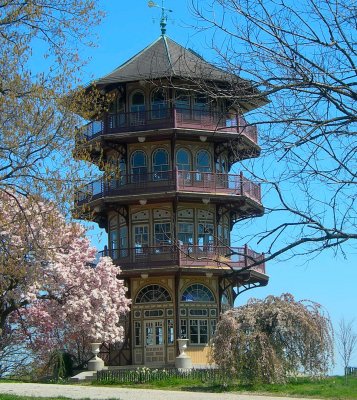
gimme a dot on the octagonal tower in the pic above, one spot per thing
(167, 198)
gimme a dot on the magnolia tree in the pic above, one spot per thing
(273, 339)
(51, 295)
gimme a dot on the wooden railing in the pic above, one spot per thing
(168, 118)
(187, 181)
(187, 256)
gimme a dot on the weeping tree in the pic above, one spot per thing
(273, 339)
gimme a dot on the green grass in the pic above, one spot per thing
(14, 397)
(328, 388)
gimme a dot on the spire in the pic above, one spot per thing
(164, 15)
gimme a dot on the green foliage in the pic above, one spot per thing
(14, 397)
(331, 387)
(61, 363)
(274, 339)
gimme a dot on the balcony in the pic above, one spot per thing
(168, 118)
(189, 182)
(185, 256)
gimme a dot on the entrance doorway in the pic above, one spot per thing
(154, 342)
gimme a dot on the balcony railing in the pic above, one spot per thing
(184, 181)
(168, 118)
(185, 256)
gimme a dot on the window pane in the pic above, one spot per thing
(183, 329)
(203, 161)
(201, 103)
(153, 294)
(203, 331)
(159, 338)
(149, 336)
(185, 233)
(182, 98)
(137, 108)
(170, 331)
(194, 331)
(139, 166)
(205, 236)
(137, 333)
(138, 99)
(160, 164)
(197, 292)
(183, 160)
(162, 234)
(158, 105)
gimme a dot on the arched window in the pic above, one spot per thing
(183, 163)
(203, 161)
(197, 293)
(153, 294)
(137, 102)
(182, 104)
(158, 104)
(139, 166)
(137, 108)
(160, 162)
(183, 160)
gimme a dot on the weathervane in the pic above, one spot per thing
(164, 13)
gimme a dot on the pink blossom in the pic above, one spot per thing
(59, 298)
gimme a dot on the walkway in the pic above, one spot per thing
(92, 392)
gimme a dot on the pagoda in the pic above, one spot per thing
(166, 143)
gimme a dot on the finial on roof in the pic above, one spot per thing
(164, 15)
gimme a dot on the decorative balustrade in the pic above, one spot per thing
(184, 181)
(185, 256)
(168, 118)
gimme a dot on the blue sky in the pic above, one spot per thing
(129, 27)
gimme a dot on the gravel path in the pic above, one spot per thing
(92, 392)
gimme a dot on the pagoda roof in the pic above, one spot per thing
(164, 58)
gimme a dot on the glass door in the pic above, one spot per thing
(141, 239)
(154, 342)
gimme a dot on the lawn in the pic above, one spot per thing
(328, 388)
(331, 387)
(14, 397)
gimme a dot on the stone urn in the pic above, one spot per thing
(96, 363)
(182, 345)
(183, 361)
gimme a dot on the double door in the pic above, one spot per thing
(154, 351)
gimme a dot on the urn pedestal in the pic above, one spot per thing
(96, 363)
(183, 361)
